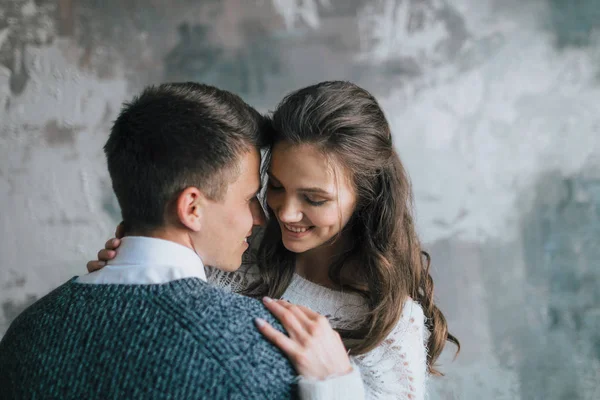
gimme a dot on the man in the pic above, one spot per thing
(184, 162)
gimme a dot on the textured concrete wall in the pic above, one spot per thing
(495, 108)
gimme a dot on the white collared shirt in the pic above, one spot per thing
(145, 260)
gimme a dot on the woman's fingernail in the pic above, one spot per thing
(102, 263)
(259, 322)
(114, 242)
(267, 299)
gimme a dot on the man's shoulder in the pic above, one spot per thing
(51, 307)
(224, 321)
(229, 306)
(185, 307)
(55, 295)
(210, 332)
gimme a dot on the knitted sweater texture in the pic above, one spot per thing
(179, 340)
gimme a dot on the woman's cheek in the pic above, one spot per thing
(325, 217)
(272, 200)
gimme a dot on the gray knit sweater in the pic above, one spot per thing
(179, 340)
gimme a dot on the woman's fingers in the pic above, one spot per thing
(95, 265)
(287, 345)
(106, 255)
(290, 321)
(112, 244)
(299, 312)
(315, 349)
(310, 313)
(306, 310)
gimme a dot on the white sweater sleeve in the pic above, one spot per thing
(345, 387)
(397, 368)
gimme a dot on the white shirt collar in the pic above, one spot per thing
(145, 260)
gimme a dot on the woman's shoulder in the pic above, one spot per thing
(412, 311)
(235, 281)
(411, 324)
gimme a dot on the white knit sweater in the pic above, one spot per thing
(396, 369)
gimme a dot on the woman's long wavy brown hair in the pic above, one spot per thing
(346, 123)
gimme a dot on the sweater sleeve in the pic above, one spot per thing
(397, 368)
(345, 387)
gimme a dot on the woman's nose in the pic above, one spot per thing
(289, 211)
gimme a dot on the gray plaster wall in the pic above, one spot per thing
(495, 110)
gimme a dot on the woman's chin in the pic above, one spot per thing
(295, 247)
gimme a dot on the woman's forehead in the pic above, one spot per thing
(302, 160)
(299, 165)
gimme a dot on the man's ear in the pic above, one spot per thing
(191, 208)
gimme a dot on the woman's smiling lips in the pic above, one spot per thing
(296, 231)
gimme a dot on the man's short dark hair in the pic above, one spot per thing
(174, 136)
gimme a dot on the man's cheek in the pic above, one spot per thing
(236, 219)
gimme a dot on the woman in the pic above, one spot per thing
(340, 238)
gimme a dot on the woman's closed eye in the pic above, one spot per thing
(314, 202)
(309, 199)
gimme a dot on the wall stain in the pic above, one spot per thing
(560, 240)
(18, 281)
(12, 309)
(107, 115)
(57, 134)
(65, 221)
(242, 69)
(66, 18)
(26, 23)
(574, 22)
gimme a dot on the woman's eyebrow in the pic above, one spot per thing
(315, 190)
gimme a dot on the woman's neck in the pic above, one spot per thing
(314, 264)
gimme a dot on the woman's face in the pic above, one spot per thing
(311, 197)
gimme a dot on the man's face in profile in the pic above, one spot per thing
(228, 222)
